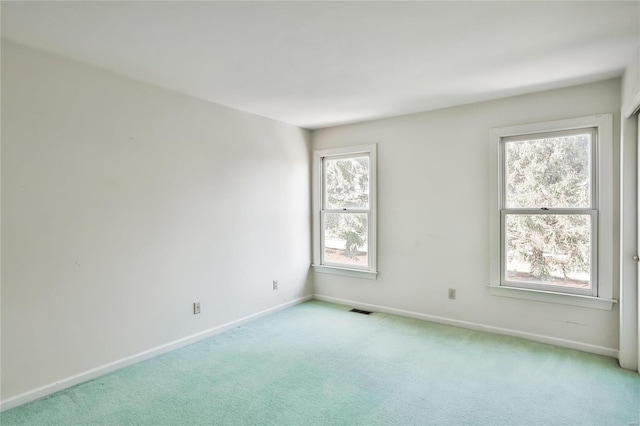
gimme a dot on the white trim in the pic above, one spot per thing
(629, 301)
(345, 150)
(629, 356)
(572, 344)
(604, 195)
(553, 297)
(67, 382)
(356, 273)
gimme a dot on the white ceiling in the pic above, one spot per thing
(318, 64)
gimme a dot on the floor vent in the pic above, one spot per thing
(360, 311)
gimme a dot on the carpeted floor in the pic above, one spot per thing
(318, 364)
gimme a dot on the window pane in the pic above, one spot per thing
(552, 172)
(549, 249)
(345, 239)
(346, 182)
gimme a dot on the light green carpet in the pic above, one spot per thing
(317, 363)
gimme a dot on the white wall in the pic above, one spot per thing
(122, 204)
(433, 200)
(631, 79)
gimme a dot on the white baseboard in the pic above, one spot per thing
(67, 382)
(585, 347)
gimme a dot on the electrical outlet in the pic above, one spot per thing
(275, 284)
(196, 308)
(452, 293)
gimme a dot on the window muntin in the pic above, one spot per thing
(345, 211)
(549, 211)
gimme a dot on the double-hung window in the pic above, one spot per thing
(551, 208)
(345, 211)
(548, 215)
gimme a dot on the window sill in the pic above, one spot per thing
(551, 297)
(336, 270)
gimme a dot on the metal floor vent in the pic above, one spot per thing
(360, 311)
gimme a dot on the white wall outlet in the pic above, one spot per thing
(196, 308)
(275, 284)
(452, 293)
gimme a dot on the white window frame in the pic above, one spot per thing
(601, 211)
(369, 272)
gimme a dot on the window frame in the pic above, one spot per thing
(319, 211)
(601, 212)
(591, 211)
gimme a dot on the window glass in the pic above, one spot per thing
(346, 239)
(549, 172)
(346, 182)
(550, 249)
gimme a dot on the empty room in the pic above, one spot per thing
(305, 213)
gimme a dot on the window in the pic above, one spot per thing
(345, 211)
(548, 211)
(551, 213)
